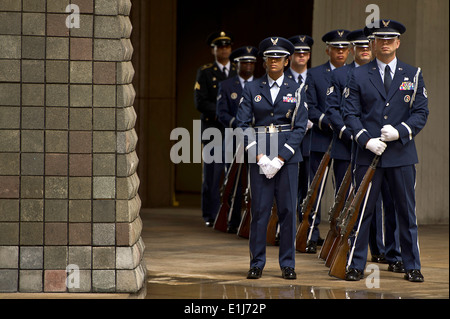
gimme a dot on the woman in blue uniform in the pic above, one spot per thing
(277, 105)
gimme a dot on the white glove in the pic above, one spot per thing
(309, 125)
(274, 166)
(375, 145)
(264, 164)
(389, 133)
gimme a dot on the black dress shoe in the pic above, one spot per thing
(354, 275)
(209, 223)
(288, 273)
(320, 241)
(381, 259)
(414, 275)
(232, 230)
(396, 267)
(254, 273)
(311, 247)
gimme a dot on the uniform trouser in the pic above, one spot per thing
(212, 173)
(401, 182)
(383, 234)
(283, 187)
(303, 184)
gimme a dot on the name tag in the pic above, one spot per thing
(407, 86)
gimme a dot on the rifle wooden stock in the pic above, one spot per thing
(244, 226)
(342, 215)
(335, 210)
(338, 266)
(302, 231)
(272, 227)
(230, 183)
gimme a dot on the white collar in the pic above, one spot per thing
(241, 80)
(221, 66)
(392, 66)
(279, 80)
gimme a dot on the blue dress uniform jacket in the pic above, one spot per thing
(257, 102)
(342, 135)
(228, 98)
(205, 93)
(318, 82)
(306, 142)
(368, 108)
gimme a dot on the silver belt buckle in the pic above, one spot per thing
(272, 128)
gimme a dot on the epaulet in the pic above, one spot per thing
(206, 66)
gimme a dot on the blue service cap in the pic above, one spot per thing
(358, 38)
(337, 38)
(302, 43)
(276, 47)
(244, 54)
(220, 38)
(368, 33)
(386, 29)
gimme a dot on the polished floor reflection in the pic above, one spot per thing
(171, 288)
(186, 260)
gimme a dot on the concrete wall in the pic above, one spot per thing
(68, 182)
(423, 44)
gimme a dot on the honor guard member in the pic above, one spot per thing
(273, 147)
(384, 243)
(205, 96)
(298, 70)
(229, 96)
(342, 148)
(318, 83)
(386, 107)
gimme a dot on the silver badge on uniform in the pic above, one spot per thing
(346, 92)
(234, 96)
(288, 114)
(330, 90)
(407, 98)
(257, 98)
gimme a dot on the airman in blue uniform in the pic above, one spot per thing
(318, 83)
(341, 154)
(229, 96)
(386, 107)
(278, 107)
(205, 98)
(298, 70)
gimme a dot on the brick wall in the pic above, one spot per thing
(68, 182)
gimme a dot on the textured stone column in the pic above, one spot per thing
(69, 203)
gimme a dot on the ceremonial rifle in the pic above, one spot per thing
(334, 212)
(272, 226)
(339, 220)
(244, 226)
(308, 202)
(338, 266)
(229, 192)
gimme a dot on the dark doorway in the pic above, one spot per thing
(250, 21)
